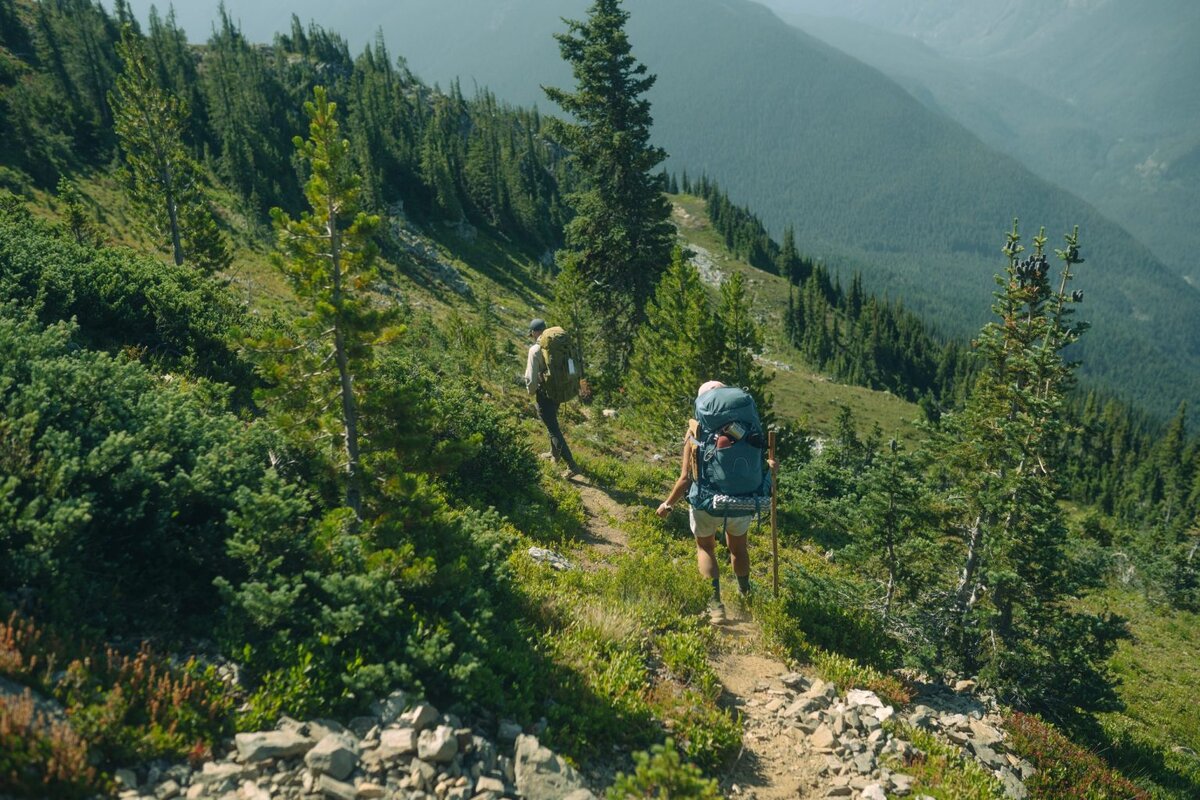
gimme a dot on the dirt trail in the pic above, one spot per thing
(602, 535)
(775, 761)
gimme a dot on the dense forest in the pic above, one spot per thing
(331, 490)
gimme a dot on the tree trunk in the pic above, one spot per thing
(349, 406)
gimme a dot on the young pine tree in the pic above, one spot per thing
(677, 349)
(162, 179)
(620, 239)
(1010, 619)
(740, 341)
(328, 255)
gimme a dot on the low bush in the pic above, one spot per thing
(662, 773)
(1064, 769)
(941, 770)
(120, 300)
(40, 757)
(827, 608)
(116, 484)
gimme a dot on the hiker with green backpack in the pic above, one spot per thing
(726, 474)
(553, 375)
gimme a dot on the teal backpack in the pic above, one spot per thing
(731, 475)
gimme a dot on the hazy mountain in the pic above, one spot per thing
(808, 136)
(1103, 96)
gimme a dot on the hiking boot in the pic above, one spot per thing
(570, 473)
(716, 612)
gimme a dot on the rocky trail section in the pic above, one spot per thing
(802, 738)
(400, 752)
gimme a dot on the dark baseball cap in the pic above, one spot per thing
(537, 324)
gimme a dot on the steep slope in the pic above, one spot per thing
(1122, 128)
(807, 136)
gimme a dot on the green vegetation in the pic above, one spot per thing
(661, 773)
(620, 238)
(353, 517)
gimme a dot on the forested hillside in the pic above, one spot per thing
(869, 178)
(1104, 117)
(273, 521)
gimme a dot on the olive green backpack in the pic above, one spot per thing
(564, 367)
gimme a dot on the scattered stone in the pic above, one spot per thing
(252, 791)
(439, 745)
(861, 697)
(371, 791)
(508, 731)
(794, 680)
(260, 746)
(338, 790)
(873, 792)
(361, 726)
(545, 556)
(986, 755)
(486, 783)
(965, 687)
(420, 717)
(985, 734)
(335, 755)
(1013, 786)
(864, 763)
(610, 413)
(823, 738)
(167, 790)
(542, 774)
(901, 783)
(397, 742)
(218, 772)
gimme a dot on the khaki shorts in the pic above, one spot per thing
(705, 524)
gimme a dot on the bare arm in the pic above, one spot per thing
(682, 483)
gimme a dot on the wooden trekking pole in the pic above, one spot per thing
(774, 534)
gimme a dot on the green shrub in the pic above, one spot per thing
(941, 770)
(686, 656)
(172, 316)
(829, 609)
(1064, 769)
(124, 706)
(116, 484)
(662, 773)
(710, 736)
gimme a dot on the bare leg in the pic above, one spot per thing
(739, 556)
(706, 556)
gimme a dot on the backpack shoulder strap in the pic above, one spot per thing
(693, 440)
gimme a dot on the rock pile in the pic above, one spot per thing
(972, 723)
(861, 757)
(400, 751)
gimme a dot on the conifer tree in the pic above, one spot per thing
(620, 239)
(677, 349)
(1010, 621)
(741, 340)
(328, 254)
(162, 179)
(78, 220)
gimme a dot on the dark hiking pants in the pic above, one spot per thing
(548, 413)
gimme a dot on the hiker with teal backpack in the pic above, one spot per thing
(726, 474)
(554, 375)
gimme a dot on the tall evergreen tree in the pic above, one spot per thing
(620, 239)
(162, 179)
(1010, 620)
(328, 254)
